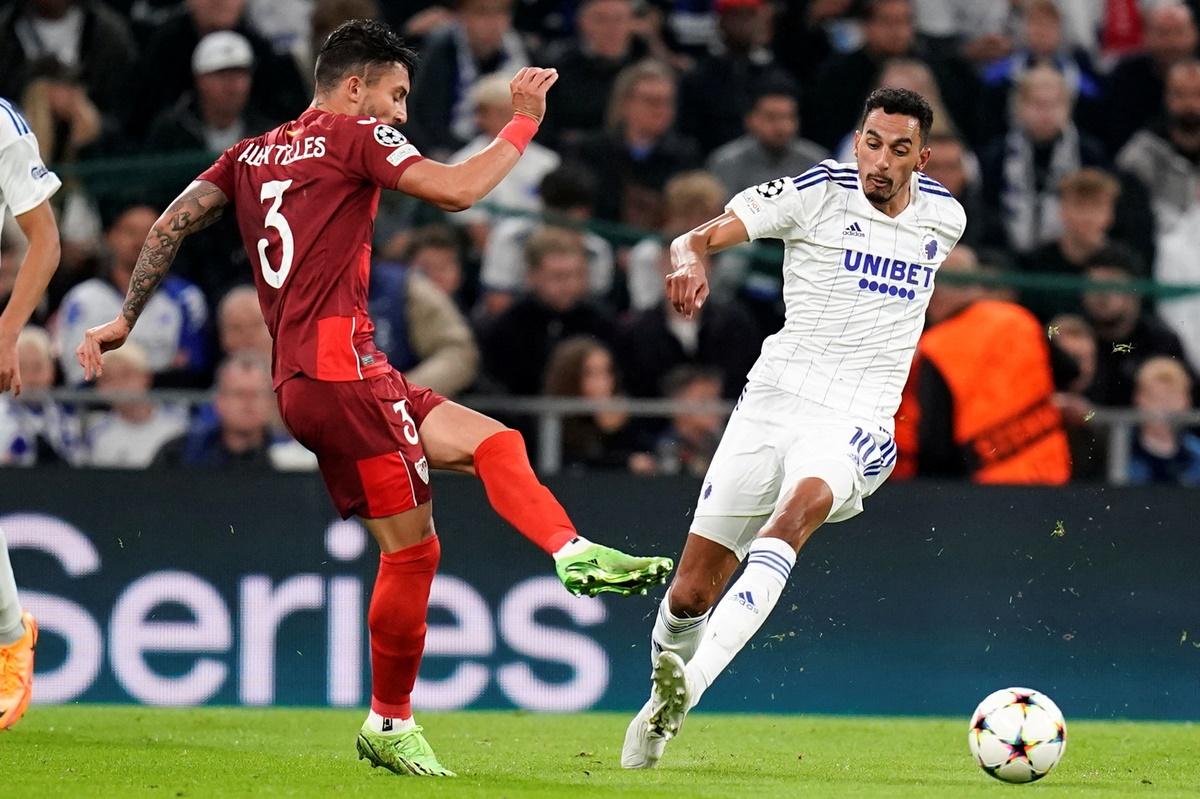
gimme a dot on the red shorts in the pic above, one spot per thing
(364, 433)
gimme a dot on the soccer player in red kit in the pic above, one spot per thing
(305, 195)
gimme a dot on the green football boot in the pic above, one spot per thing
(404, 753)
(597, 569)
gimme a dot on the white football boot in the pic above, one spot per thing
(644, 744)
(672, 694)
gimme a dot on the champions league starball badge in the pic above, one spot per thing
(772, 188)
(389, 136)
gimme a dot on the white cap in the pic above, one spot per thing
(222, 50)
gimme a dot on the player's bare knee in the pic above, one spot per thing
(689, 599)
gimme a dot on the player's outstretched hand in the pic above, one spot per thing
(687, 285)
(529, 88)
(96, 342)
(10, 370)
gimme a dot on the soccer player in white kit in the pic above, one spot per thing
(26, 186)
(811, 436)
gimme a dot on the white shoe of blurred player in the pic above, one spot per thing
(671, 695)
(644, 744)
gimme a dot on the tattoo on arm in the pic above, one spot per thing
(198, 207)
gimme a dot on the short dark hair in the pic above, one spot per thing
(432, 237)
(774, 86)
(570, 185)
(357, 45)
(901, 101)
(1115, 256)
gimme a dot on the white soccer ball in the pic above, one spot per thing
(1017, 735)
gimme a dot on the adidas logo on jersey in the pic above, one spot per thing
(854, 229)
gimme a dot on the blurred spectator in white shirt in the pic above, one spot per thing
(491, 100)
(37, 431)
(171, 329)
(130, 434)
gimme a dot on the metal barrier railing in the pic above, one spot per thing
(550, 412)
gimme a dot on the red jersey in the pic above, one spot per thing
(305, 195)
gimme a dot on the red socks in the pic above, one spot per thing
(397, 623)
(514, 491)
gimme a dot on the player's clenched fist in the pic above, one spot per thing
(529, 88)
(687, 284)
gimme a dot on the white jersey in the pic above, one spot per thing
(856, 285)
(25, 182)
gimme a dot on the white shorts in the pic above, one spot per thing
(773, 441)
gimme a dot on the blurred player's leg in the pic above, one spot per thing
(407, 563)
(18, 636)
(742, 611)
(460, 439)
(704, 568)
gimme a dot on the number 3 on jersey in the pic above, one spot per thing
(273, 190)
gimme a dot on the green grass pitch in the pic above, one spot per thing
(88, 750)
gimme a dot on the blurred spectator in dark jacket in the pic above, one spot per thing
(217, 115)
(588, 64)
(1087, 202)
(690, 440)
(1041, 43)
(436, 252)
(834, 104)
(583, 367)
(164, 71)
(715, 95)
(952, 164)
(421, 330)
(722, 336)
(1163, 452)
(82, 38)
(802, 40)
(240, 325)
(1126, 333)
(173, 330)
(1073, 354)
(1022, 170)
(239, 434)
(517, 345)
(568, 199)
(771, 146)
(1135, 86)
(639, 151)
(480, 41)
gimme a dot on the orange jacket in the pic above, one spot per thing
(994, 360)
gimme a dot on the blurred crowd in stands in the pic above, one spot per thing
(1069, 129)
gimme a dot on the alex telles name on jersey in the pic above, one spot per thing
(283, 154)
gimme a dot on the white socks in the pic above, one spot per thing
(385, 725)
(678, 634)
(742, 611)
(11, 627)
(572, 547)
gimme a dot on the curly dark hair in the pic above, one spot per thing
(901, 101)
(358, 44)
